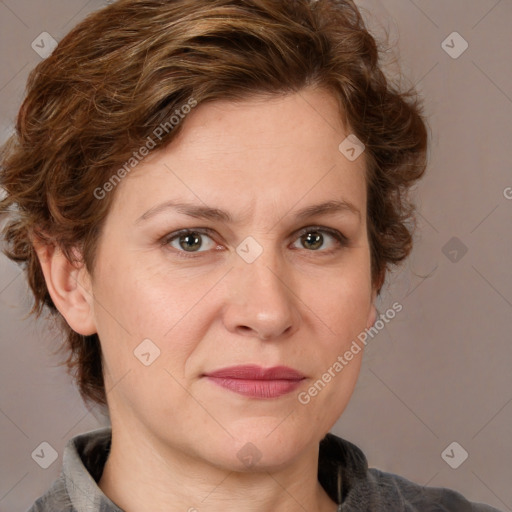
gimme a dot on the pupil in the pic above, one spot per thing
(191, 241)
(315, 239)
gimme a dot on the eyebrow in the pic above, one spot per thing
(208, 213)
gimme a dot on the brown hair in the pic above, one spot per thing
(126, 69)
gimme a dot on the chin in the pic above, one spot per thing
(263, 446)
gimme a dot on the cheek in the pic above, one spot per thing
(341, 306)
(340, 301)
(153, 305)
(137, 296)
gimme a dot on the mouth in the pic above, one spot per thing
(257, 382)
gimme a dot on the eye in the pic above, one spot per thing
(190, 241)
(313, 238)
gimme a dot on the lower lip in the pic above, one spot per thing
(257, 388)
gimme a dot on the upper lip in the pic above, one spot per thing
(255, 372)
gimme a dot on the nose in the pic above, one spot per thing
(262, 302)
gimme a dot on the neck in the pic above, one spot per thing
(147, 476)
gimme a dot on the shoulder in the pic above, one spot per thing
(418, 498)
(344, 473)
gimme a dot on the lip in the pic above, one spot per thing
(257, 382)
(255, 372)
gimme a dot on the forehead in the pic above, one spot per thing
(253, 154)
(309, 120)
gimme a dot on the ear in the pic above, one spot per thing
(372, 315)
(69, 285)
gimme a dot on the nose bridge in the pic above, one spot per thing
(264, 273)
(261, 299)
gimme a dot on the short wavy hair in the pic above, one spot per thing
(123, 71)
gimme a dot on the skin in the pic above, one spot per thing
(175, 435)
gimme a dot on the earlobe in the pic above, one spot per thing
(372, 316)
(69, 286)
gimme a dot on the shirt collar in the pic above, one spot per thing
(82, 465)
(341, 466)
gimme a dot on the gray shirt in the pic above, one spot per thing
(342, 471)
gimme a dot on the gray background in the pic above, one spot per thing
(440, 371)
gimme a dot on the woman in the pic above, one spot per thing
(208, 194)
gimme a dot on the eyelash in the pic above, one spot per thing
(341, 240)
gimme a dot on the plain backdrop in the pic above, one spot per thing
(440, 371)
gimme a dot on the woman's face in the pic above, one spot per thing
(268, 287)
